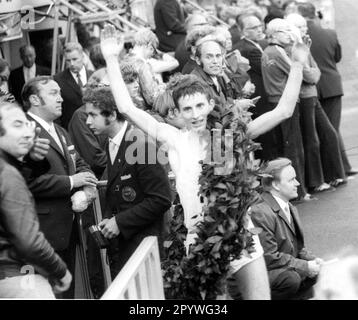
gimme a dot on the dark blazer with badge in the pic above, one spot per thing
(52, 191)
(138, 194)
(169, 24)
(71, 94)
(17, 80)
(326, 51)
(283, 243)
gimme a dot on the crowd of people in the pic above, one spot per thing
(115, 105)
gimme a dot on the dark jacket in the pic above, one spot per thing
(169, 24)
(283, 243)
(71, 94)
(326, 51)
(138, 194)
(182, 55)
(220, 95)
(17, 80)
(254, 54)
(52, 191)
(21, 241)
(89, 146)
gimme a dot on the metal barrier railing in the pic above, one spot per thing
(141, 277)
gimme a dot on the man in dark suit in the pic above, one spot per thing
(69, 177)
(169, 24)
(251, 46)
(71, 81)
(291, 268)
(138, 192)
(24, 73)
(326, 50)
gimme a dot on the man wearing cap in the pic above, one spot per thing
(292, 270)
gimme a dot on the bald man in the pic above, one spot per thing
(28, 70)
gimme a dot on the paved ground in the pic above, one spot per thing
(331, 224)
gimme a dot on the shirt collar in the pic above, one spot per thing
(117, 140)
(283, 204)
(32, 68)
(47, 126)
(82, 73)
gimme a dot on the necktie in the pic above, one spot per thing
(112, 150)
(54, 135)
(79, 81)
(288, 213)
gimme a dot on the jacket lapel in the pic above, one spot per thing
(46, 135)
(119, 161)
(267, 196)
(296, 219)
(72, 82)
(70, 161)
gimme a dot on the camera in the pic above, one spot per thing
(98, 237)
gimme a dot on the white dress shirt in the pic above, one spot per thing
(116, 142)
(50, 128)
(285, 208)
(83, 76)
(29, 73)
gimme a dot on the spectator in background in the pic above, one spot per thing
(275, 10)
(275, 66)
(182, 52)
(251, 46)
(190, 41)
(209, 55)
(169, 24)
(326, 50)
(145, 45)
(5, 95)
(71, 81)
(4, 75)
(27, 71)
(88, 145)
(69, 184)
(24, 248)
(323, 160)
(292, 270)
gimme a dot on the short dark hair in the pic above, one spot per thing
(273, 172)
(307, 10)
(6, 105)
(96, 57)
(32, 87)
(102, 98)
(189, 85)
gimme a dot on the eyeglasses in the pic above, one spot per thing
(259, 26)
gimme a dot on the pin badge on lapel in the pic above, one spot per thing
(128, 194)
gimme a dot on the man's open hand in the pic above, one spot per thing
(112, 42)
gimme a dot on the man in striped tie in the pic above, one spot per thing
(292, 270)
